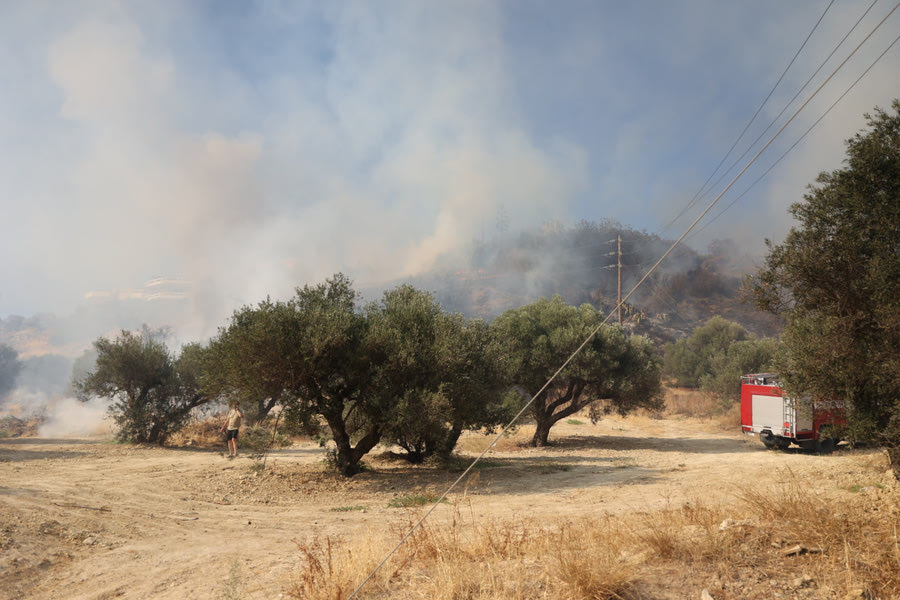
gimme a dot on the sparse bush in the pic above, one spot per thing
(684, 402)
(11, 426)
(201, 431)
(413, 500)
(257, 440)
(688, 360)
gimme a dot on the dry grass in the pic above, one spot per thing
(12, 426)
(511, 441)
(684, 402)
(847, 547)
(203, 432)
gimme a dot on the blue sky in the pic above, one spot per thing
(251, 147)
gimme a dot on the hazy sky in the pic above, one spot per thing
(251, 147)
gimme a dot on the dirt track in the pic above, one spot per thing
(88, 519)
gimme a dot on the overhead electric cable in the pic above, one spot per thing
(625, 298)
(699, 194)
(791, 101)
(800, 139)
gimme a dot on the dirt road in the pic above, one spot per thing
(89, 519)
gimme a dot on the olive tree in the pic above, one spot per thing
(10, 367)
(836, 279)
(254, 357)
(612, 371)
(755, 355)
(151, 392)
(690, 359)
(436, 372)
(332, 372)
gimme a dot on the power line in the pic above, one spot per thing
(791, 101)
(700, 192)
(800, 139)
(578, 350)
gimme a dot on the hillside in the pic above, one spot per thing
(580, 264)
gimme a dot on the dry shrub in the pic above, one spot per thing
(201, 431)
(11, 426)
(685, 402)
(332, 571)
(730, 417)
(514, 560)
(593, 561)
(511, 441)
(849, 544)
(856, 539)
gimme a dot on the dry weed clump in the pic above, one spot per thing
(12, 426)
(685, 402)
(203, 432)
(512, 560)
(855, 542)
(511, 441)
(770, 539)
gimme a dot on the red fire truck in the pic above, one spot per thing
(780, 421)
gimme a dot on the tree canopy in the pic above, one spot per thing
(152, 393)
(612, 372)
(438, 371)
(836, 278)
(690, 359)
(10, 367)
(255, 357)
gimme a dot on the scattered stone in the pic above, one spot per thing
(50, 528)
(89, 541)
(799, 549)
(729, 523)
(705, 595)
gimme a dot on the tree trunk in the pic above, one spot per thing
(449, 442)
(894, 459)
(263, 408)
(348, 456)
(542, 431)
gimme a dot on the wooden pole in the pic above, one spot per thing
(619, 265)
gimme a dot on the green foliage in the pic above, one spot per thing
(690, 359)
(836, 277)
(611, 373)
(413, 500)
(10, 367)
(437, 373)
(152, 393)
(741, 357)
(332, 374)
(352, 508)
(259, 440)
(254, 357)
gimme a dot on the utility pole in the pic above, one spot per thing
(619, 265)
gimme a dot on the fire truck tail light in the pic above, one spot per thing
(787, 425)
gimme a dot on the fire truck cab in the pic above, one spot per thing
(780, 421)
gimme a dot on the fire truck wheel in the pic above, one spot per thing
(768, 440)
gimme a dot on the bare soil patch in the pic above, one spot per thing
(90, 519)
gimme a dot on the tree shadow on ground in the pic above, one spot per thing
(39, 441)
(614, 442)
(502, 475)
(29, 455)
